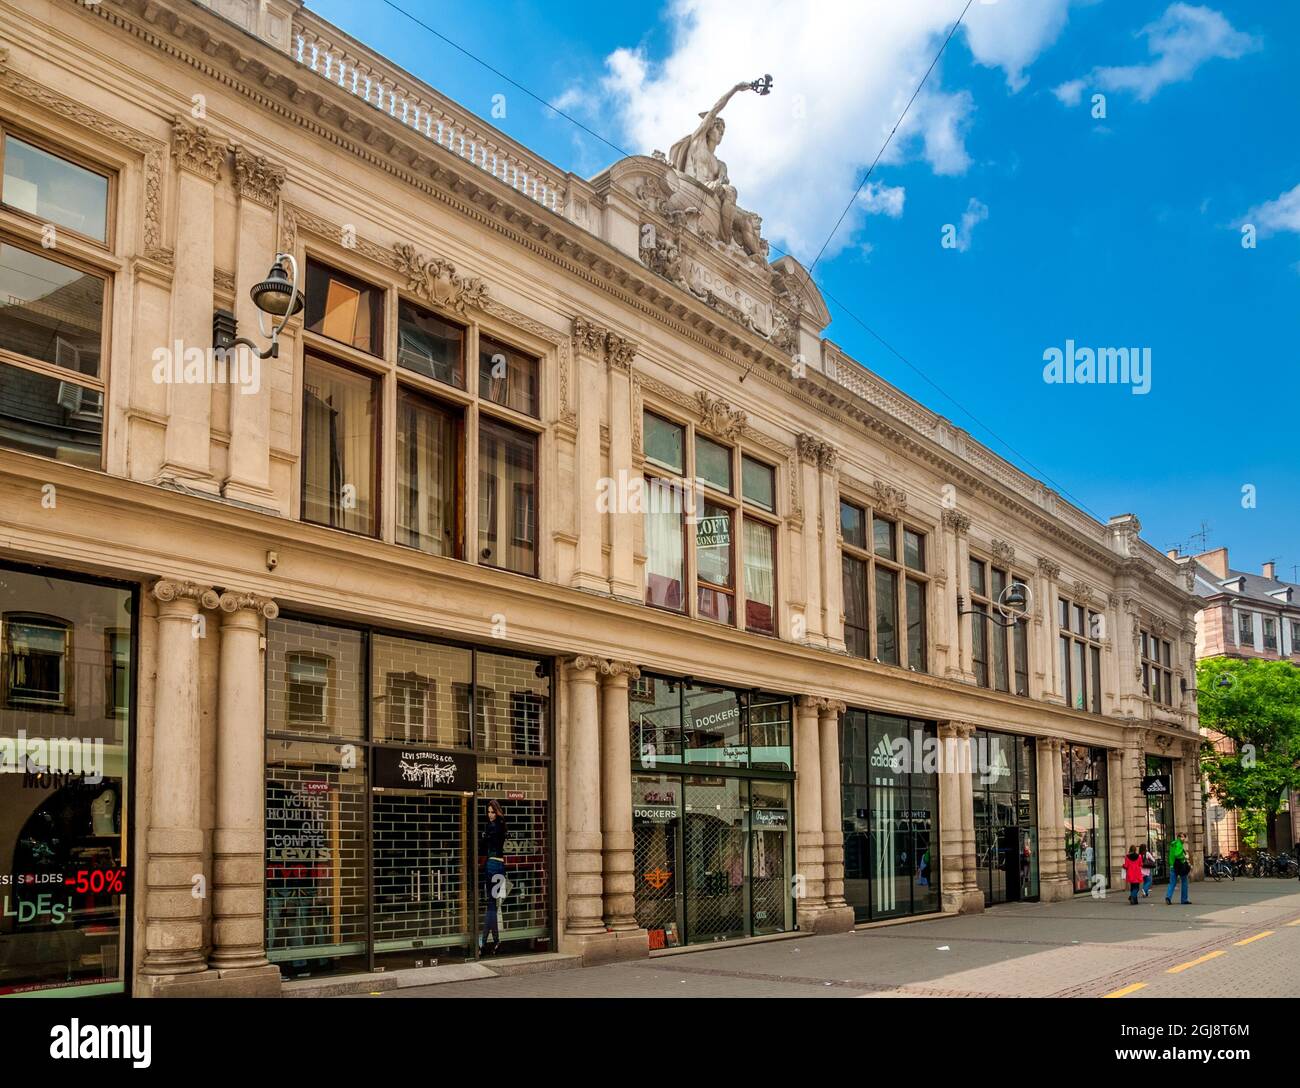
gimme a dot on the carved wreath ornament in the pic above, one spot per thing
(437, 281)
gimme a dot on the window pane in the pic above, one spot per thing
(760, 577)
(713, 562)
(1064, 666)
(55, 190)
(855, 606)
(886, 616)
(42, 415)
(1021, 631)
(914, 549)
(315, 680)
(513, 704)
(428, 475)
(1077, 686)
(770, 731)
(999, 637)
(1094, 665)
(1063, 613)
(977, 583)
(665, 571)
(429, 346)
(1165, 655)
(979, 646)
(882, 537)
(853, 525)
(664, 442)
(344, 308)
(714, 730)
(507, 497)
(758, 483)
(1078, 619)
(713, 463)
(49, 311)
(998, 584)
(419, 691)
(916, 625)
(339, 433)
(507, 376)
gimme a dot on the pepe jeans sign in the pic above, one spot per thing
(1155, 784)
(424, 769)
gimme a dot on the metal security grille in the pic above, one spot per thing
(654, 857)
(715, 859)
(420, 894)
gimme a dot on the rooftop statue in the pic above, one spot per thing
(693, 156)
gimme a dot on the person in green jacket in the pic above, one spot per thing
(1179, 867)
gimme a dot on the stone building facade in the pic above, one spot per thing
(726, 625)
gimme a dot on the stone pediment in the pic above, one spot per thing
(678, 224)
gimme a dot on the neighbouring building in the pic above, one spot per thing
(554, 499)
(1244, 615)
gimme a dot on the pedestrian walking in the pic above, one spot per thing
(1179, 868)
(492, 843)
(1148, 870)
(1133, 873)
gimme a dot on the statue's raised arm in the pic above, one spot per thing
(693, 155)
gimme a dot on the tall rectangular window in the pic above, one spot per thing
(1157, 670)
(429, 472)
(508, 482)
(857, 630)
(665, 564)
(883, 572)
(1080, 633)
(760, 577)
(886, 616)
(1270, 634)
(340, 447)
(713, 563)
(999, 648)
(1246, 628)
(916, 625)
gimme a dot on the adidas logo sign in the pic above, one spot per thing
(884, 756)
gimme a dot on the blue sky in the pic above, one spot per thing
(1111, 232)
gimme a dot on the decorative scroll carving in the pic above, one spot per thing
(1081, 592)
(223, 280)
(436, 280)
(1049, 569)
(257, 178)
(196, 149)
(588, 337)
(1003, 552)
(167, 589)
(233, 602)
(621, 351)
(889, 499)
(807, 447)
(620, 668)
(719, 417)
(956, 522)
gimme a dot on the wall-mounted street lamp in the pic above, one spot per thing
(277, 295)
(1012, 602)
(1222, 682)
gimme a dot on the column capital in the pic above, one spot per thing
(1049, 569)
(257, 178)
(589, 338)
(581, 663)
(956, 522)
(231, 602)
(167, 590)
(616, 670)
(196, 149)
(827, 706)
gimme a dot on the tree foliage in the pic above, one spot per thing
(1256, 704)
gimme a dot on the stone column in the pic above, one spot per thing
(971, 890)
(584, 926)
(187, 450)
(174, 938)
(618, 863)
(590, 389)
(832, 576)
(1193, 808)
(248, 474)
(1122, 833)
(959, 656)
(839, 915)
(809, 862)
(239, 842)
(1049, 574)
(813, 526)
(959, 893)
(622, 525)
(1054, 881)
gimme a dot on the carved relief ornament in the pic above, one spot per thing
(1049, 569)
(956, 522)
(436, 280)
(197, 150)
(719, 417)
(257, 178)
(1003, 552)
(889, 499)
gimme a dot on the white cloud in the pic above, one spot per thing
(1180, 41)
(976, 212)
(1282, 214)
(878, 198)
(843, 70)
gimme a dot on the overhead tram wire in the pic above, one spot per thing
(808, 272)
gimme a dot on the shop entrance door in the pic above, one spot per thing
(421, 871)
(717, 885)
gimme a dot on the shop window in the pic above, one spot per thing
(507, 490)
(507, 376)
(315, 680)
(429, 346)
(430, 498)
(410, 698)
(655, 714)
(884, 588)
(416, 705)
(53, 189)
(343, 308)
(1087, 849)
(117, 653)
(340, 447)
(1004, 791)
(715, 731)
(1079, 655)
(513, 693)
(307, 698)
(52, 343)
(38, 650)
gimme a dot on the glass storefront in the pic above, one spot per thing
(1087, 849)
(382, 755)
(713, 851)
(1157, 786)
(890, 806)
(67, 684)
(1004, 791)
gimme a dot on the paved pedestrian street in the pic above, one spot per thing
(1237, 939)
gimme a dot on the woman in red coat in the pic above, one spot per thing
(1133, 873)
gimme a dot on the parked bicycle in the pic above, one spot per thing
(1217, 867)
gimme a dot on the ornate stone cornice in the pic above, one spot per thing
(233, 602)
(169, 589)
(257, 178)
(436, 280)
(1049, 569)
(719, 418)
(196, 149)
(955, 522)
